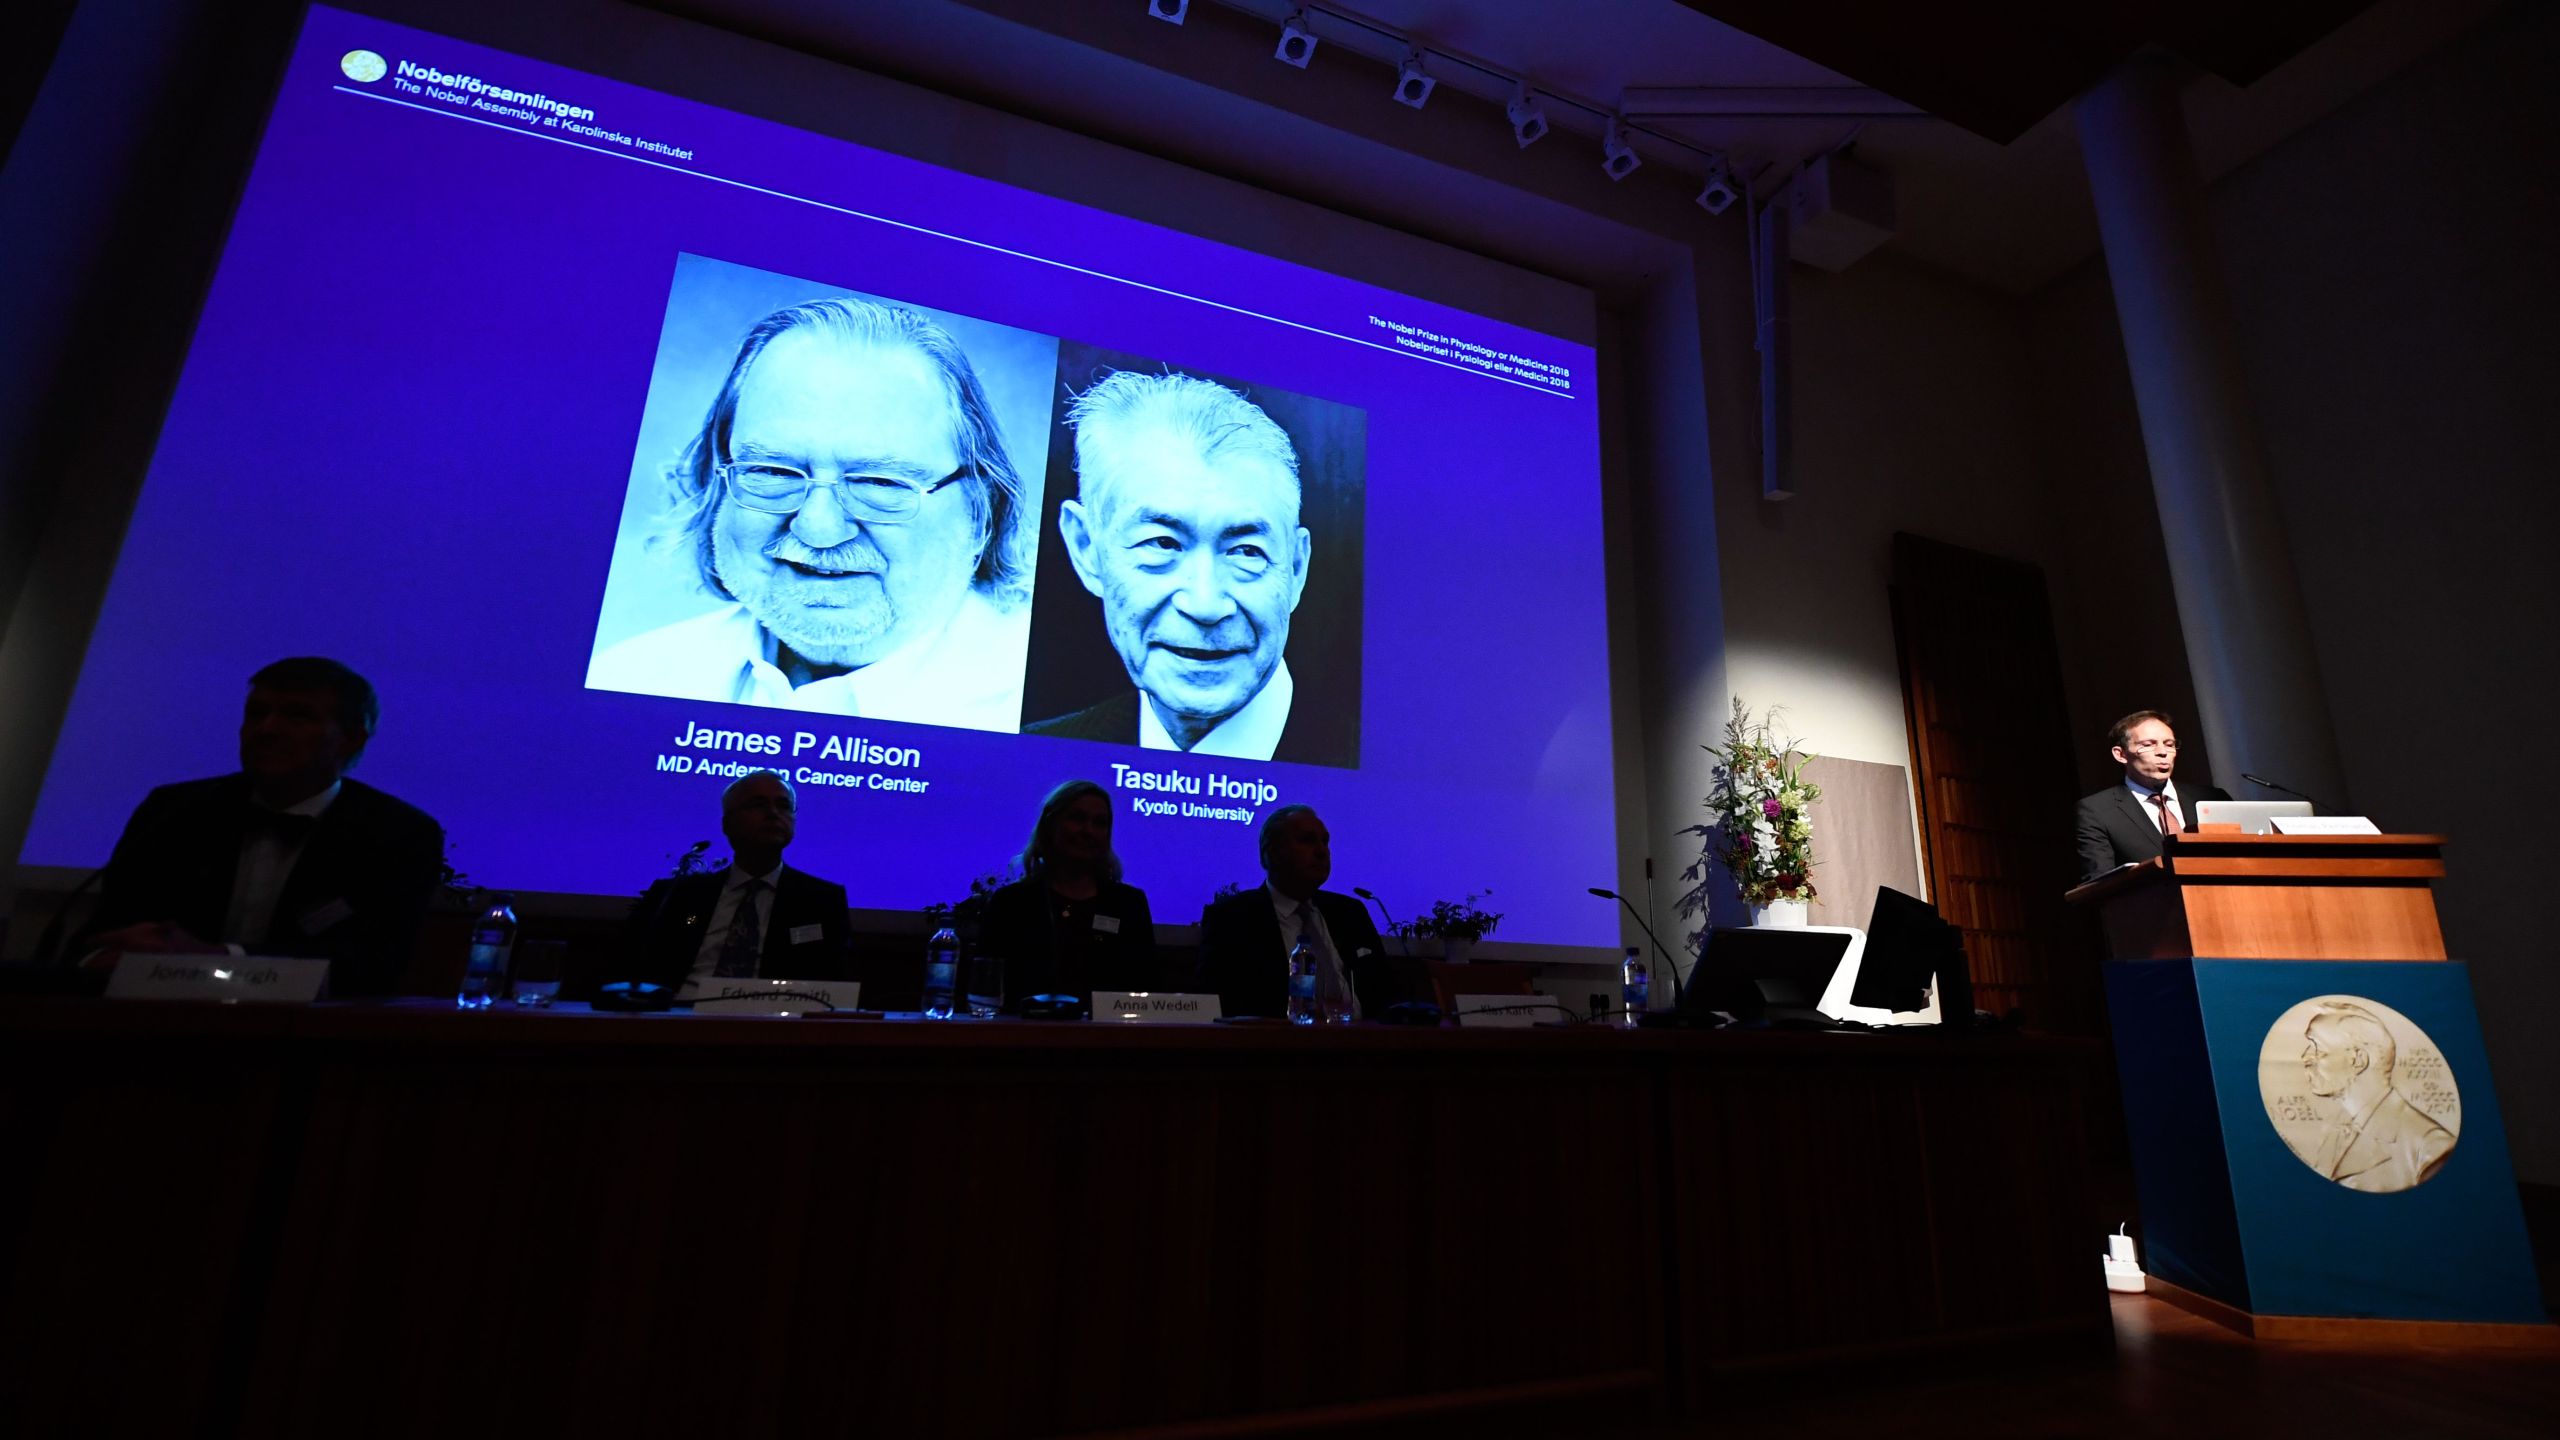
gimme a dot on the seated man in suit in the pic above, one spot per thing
(757, 917)
(1245, 939)
(286, 857)
(2123, 823)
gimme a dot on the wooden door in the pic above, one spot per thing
(1982, 693)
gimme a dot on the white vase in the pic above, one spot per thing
(1779, 915)
(1455, 951)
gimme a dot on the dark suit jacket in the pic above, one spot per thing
(2115, 829)
(1317, 733)
(1021, 927)
(357, 896)
(668, 923)
(1241, 958)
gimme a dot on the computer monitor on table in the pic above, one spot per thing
(1910, 947)
(1766, 973)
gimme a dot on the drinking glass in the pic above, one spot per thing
(537, 972)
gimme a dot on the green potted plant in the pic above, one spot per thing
(1456, 924)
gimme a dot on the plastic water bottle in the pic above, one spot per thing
(1635, 985)
(493, 945)
(1302, 983)
(941, 972)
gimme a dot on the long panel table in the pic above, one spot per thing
(399, 1220)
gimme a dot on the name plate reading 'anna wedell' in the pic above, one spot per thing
(230, 979)
(776, 996)
(1153, 1007)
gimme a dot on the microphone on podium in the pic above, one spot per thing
(1679, 990)
(2286, 789)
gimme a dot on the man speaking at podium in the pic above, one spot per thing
(2124, 824)
(755, 918)
(287, 857)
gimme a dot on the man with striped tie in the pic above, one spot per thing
(2124, 824)
(758, 917)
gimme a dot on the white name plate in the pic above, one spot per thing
(1153, 1007)
(1508, 1012)
(2322, 825)
(231, 979)
(776, 996)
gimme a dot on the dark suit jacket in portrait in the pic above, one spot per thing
(1053, 947)
(1241, 958)
(357, 895)
(1317, 734)
(668, 923)
(2116, 829)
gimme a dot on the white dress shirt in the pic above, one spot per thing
(266, 863)
(724, 914)
(2142, 797)
(968, 674)
(1251, 733)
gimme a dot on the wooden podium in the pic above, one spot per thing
(2219, 948)
(2275, 897)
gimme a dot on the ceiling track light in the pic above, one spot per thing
(1297, 42)
(1413, 86)
(1171, 11)
(1721, 189)
(1617, 157)
(1528, 117)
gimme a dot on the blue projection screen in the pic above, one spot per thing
(628, 443)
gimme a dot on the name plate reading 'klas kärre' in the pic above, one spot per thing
(1153, 1007)
(776, 996)
(230, 979)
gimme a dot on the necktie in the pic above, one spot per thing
(746, 935)
(2168, 818)
(1329, 978)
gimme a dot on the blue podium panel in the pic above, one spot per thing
(2320, 1138)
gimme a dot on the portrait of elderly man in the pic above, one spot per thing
(2381, 1143)
(1189, 527)
(849, 498)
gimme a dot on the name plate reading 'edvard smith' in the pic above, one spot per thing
(231, 979)
(776, 996)
(1153, 1007)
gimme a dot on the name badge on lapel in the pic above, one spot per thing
(1107, 924)
(803, 934)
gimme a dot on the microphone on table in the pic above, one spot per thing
(1679, 996)
(2287, 789)
(1365, 893)
(49, 944)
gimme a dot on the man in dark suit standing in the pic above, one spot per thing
(286, 857)
(1245, 938)
(2123, 824)
(756, 917)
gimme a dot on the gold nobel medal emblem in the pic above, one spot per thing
(2359, 1093)
(362, 66)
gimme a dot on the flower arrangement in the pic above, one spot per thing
(1762, 831)
(1446, 920)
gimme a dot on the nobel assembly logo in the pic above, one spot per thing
(362, 66)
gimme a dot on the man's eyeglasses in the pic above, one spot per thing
(775, 489)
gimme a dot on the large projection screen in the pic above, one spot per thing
(628, 443)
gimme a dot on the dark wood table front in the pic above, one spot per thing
(400, 1220)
